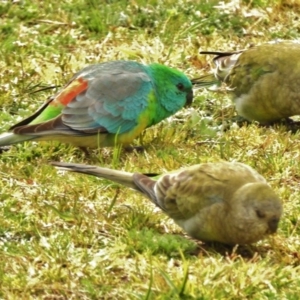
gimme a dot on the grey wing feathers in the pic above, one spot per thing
(146, 185)
(113, 100)
(159, 192)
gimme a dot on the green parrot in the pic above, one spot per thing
(224, 202)
(264, 80)
(106, 104)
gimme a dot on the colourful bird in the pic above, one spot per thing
(264, 80)
(106, 104)
(224, 202)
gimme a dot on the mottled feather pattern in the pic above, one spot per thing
(264, 80)
(266, 89)
(172, 190)
(224, 63)
(226, 202)
(146, 186)
(164, 193)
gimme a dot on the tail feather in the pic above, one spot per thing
(208, 80)
(224, 62)
(121, 177)
(9, 138)
(219, 53)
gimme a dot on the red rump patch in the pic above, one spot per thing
(75, 87)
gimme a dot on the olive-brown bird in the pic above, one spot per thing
(224, 202)
(264, 80)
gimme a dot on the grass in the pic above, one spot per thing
(70, 236)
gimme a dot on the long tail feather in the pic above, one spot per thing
(121, 177)
(205, 81)
(218, 53)
(9, 138)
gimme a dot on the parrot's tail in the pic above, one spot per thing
(9, 138)
(208, 80)
(120, 177)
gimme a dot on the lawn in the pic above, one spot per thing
(70, 236)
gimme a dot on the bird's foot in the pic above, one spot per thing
(136, 148)
(289, 123)
(4, 149)
(241, 121)
(85, 151)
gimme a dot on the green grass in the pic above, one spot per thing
(70, 236)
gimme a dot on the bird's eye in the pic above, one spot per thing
(180, 86)
(260, 214)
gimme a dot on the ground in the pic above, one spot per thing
(70, 236)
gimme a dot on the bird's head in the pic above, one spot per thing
(254, 213)
(173, 87)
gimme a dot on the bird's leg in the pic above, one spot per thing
(138, 149)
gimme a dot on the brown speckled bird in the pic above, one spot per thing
(225, 202)
(264, 80)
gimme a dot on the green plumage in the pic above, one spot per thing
(106, 104)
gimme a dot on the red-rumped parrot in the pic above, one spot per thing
(106, 104)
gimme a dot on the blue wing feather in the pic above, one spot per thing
(117, 93)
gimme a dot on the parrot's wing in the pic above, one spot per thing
(146, 186)
(182, 194)
(106, 97)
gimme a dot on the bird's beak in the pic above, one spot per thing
(273, 225)
(189, 98)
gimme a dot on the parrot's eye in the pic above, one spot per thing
(180, 86)
(260, 214)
